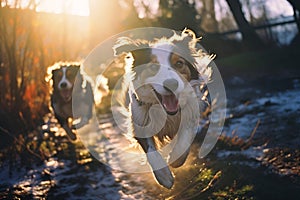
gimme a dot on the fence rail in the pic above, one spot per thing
(257, 27)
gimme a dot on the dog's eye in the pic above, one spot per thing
(71, 73)
(179, 64)
(59, 74)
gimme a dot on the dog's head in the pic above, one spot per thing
(62, 77)
(162, 68)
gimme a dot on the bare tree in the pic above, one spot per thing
(250, 37)
(296, 7)
(208, 16)
(21, 58)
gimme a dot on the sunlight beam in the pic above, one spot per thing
(72, 7)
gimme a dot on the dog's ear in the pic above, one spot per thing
(185, 46)
(139, 49)
(194, 72)
(126, 45)
(75, 67)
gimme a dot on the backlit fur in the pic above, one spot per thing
(62, 77)
(162, 105)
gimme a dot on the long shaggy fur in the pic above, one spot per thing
(77, 88)
(153, 117)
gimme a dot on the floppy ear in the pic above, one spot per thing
(126, 45)
(139, 49)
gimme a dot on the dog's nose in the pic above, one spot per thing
(63, 85)
(170, 84)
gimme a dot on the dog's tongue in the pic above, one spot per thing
(170, 103)
(66, 94)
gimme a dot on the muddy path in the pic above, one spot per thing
(257, 157)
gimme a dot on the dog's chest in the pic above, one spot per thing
(63, 110)
(67, 109)
(155, 121)
(170, 128)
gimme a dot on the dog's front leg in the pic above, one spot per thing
(181, 148)
(65, 125)
(83, 121)
(159, 166)
(69, 131)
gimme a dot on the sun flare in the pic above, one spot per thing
(73, 7)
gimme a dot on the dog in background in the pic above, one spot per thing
(162, 107)
(68, 82)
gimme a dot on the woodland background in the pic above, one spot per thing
(245, 38)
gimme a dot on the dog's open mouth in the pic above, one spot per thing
(170, 102)
(66, 94)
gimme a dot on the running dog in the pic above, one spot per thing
(68, 83)
(162, 79)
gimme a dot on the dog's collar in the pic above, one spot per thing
(140, 103)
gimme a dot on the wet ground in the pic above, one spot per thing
(257, 157)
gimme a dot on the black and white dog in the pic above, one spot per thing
(62, 77)
(162, 79)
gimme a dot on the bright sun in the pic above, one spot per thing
(73, 7)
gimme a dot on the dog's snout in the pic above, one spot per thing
(63, 85)
(170, 84)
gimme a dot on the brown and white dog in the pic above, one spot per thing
(62, 77)
(162, 79)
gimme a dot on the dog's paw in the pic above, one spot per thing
(160, 169)
(83, 121)
(70, 133)
(164, 177)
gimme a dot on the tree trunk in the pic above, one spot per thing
(296, 8)
(208, 21)
(295, 4)
(250, 37)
